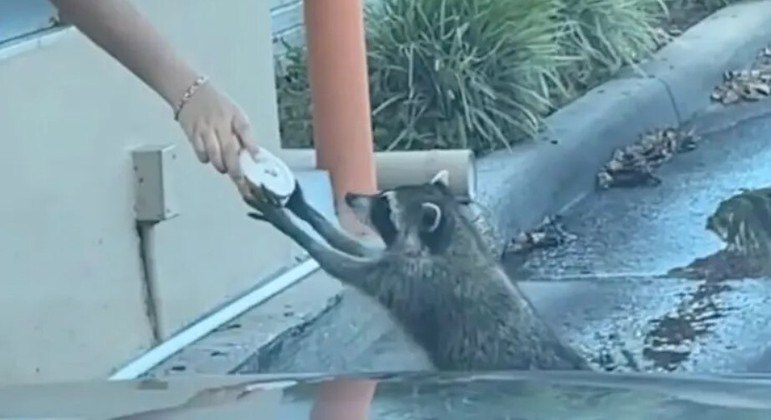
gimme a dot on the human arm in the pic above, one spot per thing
(214, 125)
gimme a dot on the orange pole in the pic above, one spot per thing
(342, 128)
(342, 133)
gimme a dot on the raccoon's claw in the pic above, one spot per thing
(257, 216)
(270, 197)
(258, 197)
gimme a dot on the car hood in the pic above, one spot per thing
(404, 395)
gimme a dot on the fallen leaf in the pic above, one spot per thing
(730, 97)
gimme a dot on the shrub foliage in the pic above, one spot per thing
(604, 36)
(293, 98)
(459, 73)
(480, 74)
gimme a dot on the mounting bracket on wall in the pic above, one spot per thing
(153, 174)
(154, 202)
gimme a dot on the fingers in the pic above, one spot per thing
(243, 130)
(257, 216)
(270, 197)
(244, 189)
(213, 150)
(230, 148)
(199, 148)
(221, 147)
(218, 130)
(258, 197)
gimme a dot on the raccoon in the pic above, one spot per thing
(743, 222)
(435, 276)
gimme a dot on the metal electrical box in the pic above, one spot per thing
(154, 168)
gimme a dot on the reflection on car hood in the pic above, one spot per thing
(401, 395)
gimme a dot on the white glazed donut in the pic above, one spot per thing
(269, 171)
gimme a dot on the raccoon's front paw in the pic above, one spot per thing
(260, 198)
(275, 215)
(296, 201)
(257, 216)
(270, 197)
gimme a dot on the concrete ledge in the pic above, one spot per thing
(521, 186)
(694, 64)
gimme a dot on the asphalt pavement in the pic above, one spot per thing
(602, 291)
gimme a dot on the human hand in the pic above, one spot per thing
(217, 129)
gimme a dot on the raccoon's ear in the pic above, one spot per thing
(432, 217)
(442, 177)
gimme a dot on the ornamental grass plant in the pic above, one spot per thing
(480, 74)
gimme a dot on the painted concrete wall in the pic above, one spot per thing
(70, 275)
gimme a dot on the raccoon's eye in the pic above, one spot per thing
(383, 201)
(431, 216)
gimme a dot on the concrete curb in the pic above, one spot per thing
(520, 187)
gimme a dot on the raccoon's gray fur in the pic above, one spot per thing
(434, 276)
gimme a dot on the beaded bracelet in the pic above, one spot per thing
(199, 81)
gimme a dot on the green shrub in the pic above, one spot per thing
(460, 73)
(293, 98)
(480, 74)
(605, 35)
(444, 73)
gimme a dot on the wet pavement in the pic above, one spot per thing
(603, 291)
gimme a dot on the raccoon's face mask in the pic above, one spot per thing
(416, 216)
